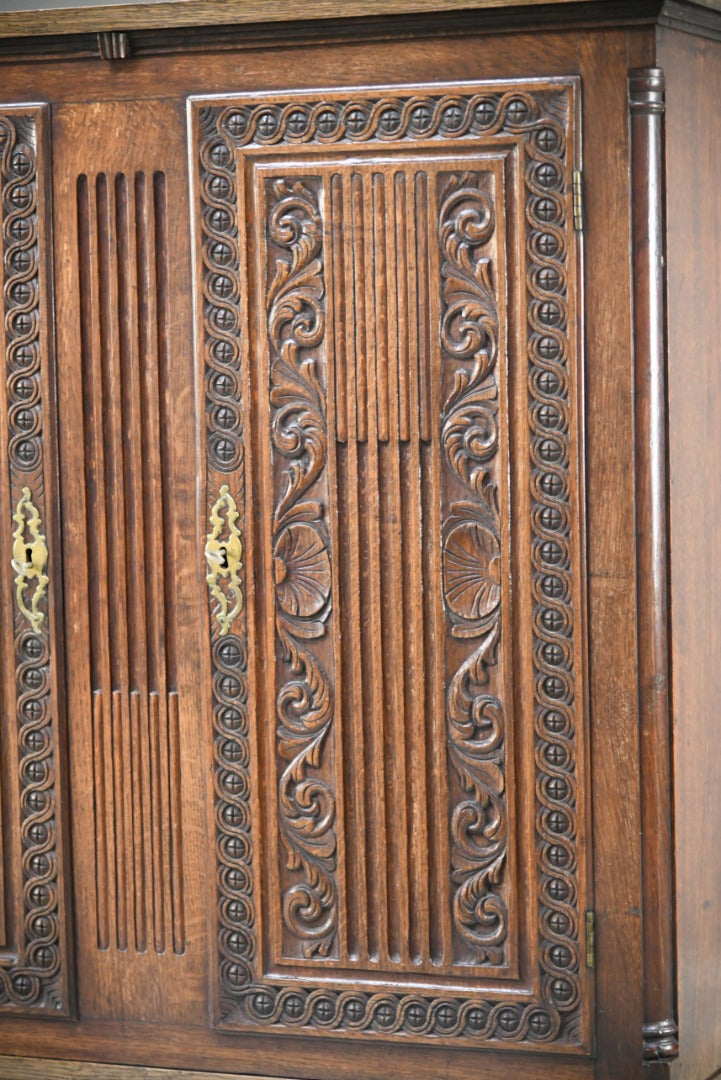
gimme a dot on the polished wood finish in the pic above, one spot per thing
(693, 139)
(360, 399)
(65, 17)
(36, 969)
(131, 571)
(647, 106)
(382, 553)
(62, 16)
(13, 1068)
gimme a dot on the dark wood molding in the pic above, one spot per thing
(647, 107)
(178, 39)
(113, 45)
(27, 1068)
(226, 17)
(167, 27)
(68, 17)
(692, 18)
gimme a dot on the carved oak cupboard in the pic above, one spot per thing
(359, 614)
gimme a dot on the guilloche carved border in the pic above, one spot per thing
(36, 978)
(537, 117)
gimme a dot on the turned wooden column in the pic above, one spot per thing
(647, 106)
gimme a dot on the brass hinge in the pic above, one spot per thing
(578, 200)
(590, 939)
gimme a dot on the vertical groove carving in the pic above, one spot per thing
(34, 976)
(379, 495)
(348, 561)
(411, 617)
(392, 507)
(377, 809)
(122, 264)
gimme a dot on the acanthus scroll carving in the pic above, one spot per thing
(471, 569)
(296, 327)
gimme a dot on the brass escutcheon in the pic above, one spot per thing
(30, 557)
(223, 554)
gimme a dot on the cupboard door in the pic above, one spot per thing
(34, 963)
(389, 338)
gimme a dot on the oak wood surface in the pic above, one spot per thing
(646, 104)
(132, 576)
(62, 17)
(85, 93)
(693, 158)
(15, 1068)
(611, 562)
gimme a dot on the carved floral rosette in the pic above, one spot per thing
(35, 979)
(536, 116)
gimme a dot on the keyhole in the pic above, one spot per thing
(28, 555)
(223, 552)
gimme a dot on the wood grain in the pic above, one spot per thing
(62, 17)
(611, 559)
(647, 106)
(693, 158)
(34, 969)
(131, 581)
(372, 261)
(273, 153)
(16, 1068)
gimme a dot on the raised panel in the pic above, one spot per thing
(132, 579)
(34, 964)
(389, 343)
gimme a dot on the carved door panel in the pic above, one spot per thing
(389, 341)
(35, 967)
(132, 556)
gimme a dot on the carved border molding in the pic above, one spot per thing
(536, 116)
(36, 978)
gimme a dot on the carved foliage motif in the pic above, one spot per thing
(35, 978)
(471, 545)
(536, 118)
(304, 706)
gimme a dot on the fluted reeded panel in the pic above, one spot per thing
(385, 546)
(124, 339)
(375, 242)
